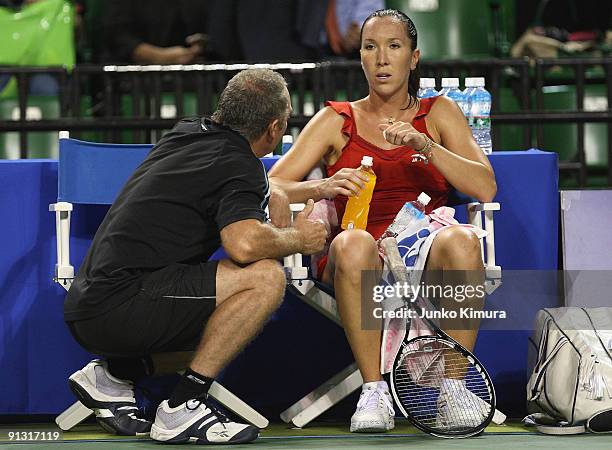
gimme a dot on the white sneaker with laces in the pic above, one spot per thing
(111, 399)
(374, 410)
(458, 407)
(198, 421)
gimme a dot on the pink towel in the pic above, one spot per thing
(445, 216)
(394, 329)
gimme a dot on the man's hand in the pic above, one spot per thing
(312, 232)
(278, 206)
(403, 133)
(344, 182)
(179, 54)
(196, 39)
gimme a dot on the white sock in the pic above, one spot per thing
(381, 385)
(370, 385)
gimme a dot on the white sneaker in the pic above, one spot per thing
(111, 399)
(458, 407)
(199, 422)
(374, 410)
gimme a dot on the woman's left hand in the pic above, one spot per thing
(403, 133)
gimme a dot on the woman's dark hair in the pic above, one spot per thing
(411, 31)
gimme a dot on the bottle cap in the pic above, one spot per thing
(423, 198)
(426, 83)
(450, 82)
(367, 161)
(474, 82)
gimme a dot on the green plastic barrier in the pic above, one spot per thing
(40, 144)
(562, 138)
(168, 111)
(456, 28)
(40, 34)
(510, 135)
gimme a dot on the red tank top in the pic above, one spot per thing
(401, 172)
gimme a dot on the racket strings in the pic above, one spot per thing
(441, 388)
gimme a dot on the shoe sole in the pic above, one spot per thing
(81, 393)
(165, 436)
(373, 426)
(88, 401)
(80, 379)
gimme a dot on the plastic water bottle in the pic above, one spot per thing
(286, 143)
(427, 88)
(358, 206)
(411, 218)
(479, 115)
(450, 88)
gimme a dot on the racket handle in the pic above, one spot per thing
(394, 260)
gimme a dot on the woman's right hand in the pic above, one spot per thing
(346, 182)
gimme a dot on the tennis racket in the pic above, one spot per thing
(437, 384)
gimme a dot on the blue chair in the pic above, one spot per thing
(93, 174)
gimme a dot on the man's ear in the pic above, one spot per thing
(273, 129)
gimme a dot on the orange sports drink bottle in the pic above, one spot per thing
(358, 206)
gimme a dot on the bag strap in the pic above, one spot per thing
(539, 374)
(549, 425)
(605, 348)
(542, 345)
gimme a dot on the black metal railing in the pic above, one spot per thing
(148, 99)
